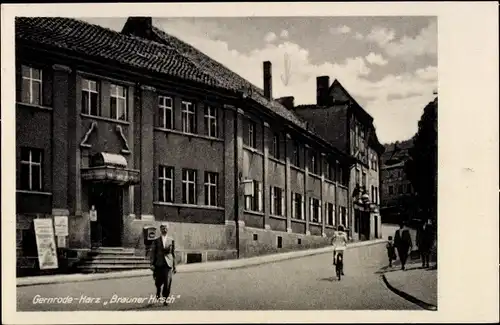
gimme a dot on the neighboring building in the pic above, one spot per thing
(397, 195)
(344, 123)
(145, 128)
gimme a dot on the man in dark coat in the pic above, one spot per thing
(403, 243)
(163, 262)
(425, 241)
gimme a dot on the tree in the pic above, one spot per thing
(421, 166)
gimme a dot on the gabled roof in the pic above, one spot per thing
(337, 83)
(168, 55)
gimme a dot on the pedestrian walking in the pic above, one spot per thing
(391, 251)
(163, 263)
(403, 243)
(425, 241)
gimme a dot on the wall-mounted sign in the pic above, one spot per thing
(61, 225)
(47, 252)
(93, 214)
(61, 241)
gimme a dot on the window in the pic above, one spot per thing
(275, 149)
(330, 213)
(118, 102)
(211, 183)
(166, 112)
(373, 194)
(364, 179)
(391, 189)
(400, 189)
(32, 85)
(166, 184)
(299, 241)
(255, 237)
(314, 163)
(343, 216)
(376, 194)
(189, 186)
(90, 97)
(277, 201)
(315, 210)
(358, 177)
(279, 242)
(296, 154)
(211, 121)
(188, 117)
(297, 206)
(251, 138)
(253, 198)
(31, 169)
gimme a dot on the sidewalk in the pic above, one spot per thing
(185, 268)
(414, 284)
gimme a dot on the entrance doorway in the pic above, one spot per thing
(107, 198)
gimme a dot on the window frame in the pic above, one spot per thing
(188, 111)
(31, 164)
(164, 179)
(211, 118)
(86, 88)
(31, 81)
(163, 107)
(209, 201)
(186, 183)
(115, 96)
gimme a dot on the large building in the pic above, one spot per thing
(397, 196)
(137, 127)
(343, 122)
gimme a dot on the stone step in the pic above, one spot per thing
(119, 257)
(98, 261)
(109, 252)
(101, 268)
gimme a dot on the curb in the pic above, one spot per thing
(409, 297)
(185, 268)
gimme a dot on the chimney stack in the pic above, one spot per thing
(268, 80)
(288, 102)
(138, 26)
(322, 85)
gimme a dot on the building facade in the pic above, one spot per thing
(345, 124)
(119, 131)
(398, 202)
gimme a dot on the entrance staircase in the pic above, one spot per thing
(109, 259)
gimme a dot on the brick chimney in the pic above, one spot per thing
(268, 80)
(139, 26)
(322, 85)
(288, 102)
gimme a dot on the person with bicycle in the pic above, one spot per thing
(339, 242)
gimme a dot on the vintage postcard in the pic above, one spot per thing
(160, 159)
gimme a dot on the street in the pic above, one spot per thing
(306, 283)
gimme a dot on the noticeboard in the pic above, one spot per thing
(47, 252)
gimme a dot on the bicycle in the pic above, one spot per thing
(339, 265)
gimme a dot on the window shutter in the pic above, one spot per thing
(311, 209)
(302, 207)
(294, 214)
(282, 204)
(260, 197)
(272, 201)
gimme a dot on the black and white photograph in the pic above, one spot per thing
(227, 162)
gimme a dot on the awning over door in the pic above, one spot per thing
(110, 168)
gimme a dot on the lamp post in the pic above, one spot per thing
(363, 200)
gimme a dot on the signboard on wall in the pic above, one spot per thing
(93, 214)
(61, 225)
(46, 246)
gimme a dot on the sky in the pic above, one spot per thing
(388, 64)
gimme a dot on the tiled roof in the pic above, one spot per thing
(226, 78)
(91, 40)
(174, 57)
(169, 56)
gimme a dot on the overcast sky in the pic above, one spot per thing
(388, 64)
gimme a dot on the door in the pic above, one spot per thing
(107, 200)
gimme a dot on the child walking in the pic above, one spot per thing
(391, 251)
